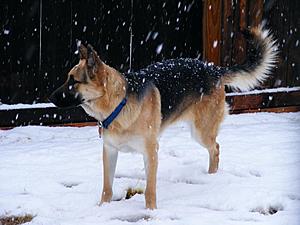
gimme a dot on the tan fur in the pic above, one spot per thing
(139, 124)
(206, 115)
(107, 186)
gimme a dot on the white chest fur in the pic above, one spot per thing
(89, 110)
(125, 144)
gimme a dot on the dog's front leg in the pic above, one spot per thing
(150, 162)
(110, 156)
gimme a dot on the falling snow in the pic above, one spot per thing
(6, 31)
(215, 44)
(154, 36)
(159, 48)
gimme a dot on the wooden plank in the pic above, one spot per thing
(293, 45)
(227, 33)
(255, 12)
(264, 100)
(242, 102)
(238, 15)
(79, 124)
(240, 42)
(276, 14)
(212, 30)
(243, 14)
(274, 110)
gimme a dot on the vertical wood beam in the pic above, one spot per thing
(227, 34)
(240, 43)
(212, 11)
(255, 12)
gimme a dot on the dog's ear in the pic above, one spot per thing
(93, 60)
(82, 51)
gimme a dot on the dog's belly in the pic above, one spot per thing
(126, 144)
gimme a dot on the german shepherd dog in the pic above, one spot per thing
(147, 101)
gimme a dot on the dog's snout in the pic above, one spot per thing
(63, 97)
(57, 98)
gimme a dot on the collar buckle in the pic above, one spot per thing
(100, 124)
(100, 128)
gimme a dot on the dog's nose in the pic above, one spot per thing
(63, 98)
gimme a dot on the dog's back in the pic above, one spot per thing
(179, 82)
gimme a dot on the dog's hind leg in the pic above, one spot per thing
(110, 157)
(207, 117)
(207, 139)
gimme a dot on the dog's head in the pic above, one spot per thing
(85, 81)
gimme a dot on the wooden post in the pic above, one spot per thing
(240, 42)
(227, 35)
(255, 12)
(212, 11)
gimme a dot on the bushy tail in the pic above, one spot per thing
(261, 60)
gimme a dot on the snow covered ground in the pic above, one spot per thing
(55, 173)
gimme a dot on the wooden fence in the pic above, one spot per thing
(225, 45)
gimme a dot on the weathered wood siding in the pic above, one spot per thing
(224, 19)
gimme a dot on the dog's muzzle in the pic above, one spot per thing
(66, 96)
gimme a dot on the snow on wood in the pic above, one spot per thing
(26, 106)
(269, 90)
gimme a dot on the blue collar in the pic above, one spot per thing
(105, 123)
